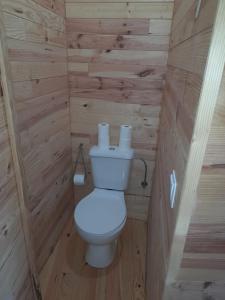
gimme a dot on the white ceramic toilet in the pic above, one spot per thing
(101, 215)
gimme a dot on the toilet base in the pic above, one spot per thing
(100, 256)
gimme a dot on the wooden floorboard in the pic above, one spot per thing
(66, 276)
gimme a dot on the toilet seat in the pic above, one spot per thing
(101, 212)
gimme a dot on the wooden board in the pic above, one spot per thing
(36, 44)
(67, 275)
(117, 55)
(162, 10)
(15, 271)
(184, 128)
(204, 247)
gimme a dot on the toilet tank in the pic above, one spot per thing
(111, 167)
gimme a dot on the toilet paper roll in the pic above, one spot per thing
(79, 179)
(103, 135)
(125, 136)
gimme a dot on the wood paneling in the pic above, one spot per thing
(179, 144)
(15, 276)
(67, 276)
(117, 56)
(36, 44)
(162, 10)
(205, 244)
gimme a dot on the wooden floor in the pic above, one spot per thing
(66, 276)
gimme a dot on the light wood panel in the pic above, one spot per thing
(117, 55)
(15, 273)
(180, 138)
(30, 10)
(36, 44)
(107, 26)
(183, 290)
(67, 276)
(162, 10)
(204, 247)
(57, 6)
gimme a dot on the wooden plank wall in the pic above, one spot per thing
(117, 53)
(189, 45)
(204, 255)
(36, 43)
(15, 277)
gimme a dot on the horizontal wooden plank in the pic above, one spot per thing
(49, 240)
(86, 112)
(33, 110)
(30, 10)
(36, 70)
(132, 42)
(137, 206)
(205, 238)
(43, 130)
(211, 185)
(119, 10)
(99, 106)
(15, 264)
(22, 29)
(9, 224)
(108, 26)
(181, 9)
(215, 151)
(152, 123)
(38, 87)
(146, 97)
(191, 55)
(57, 6)
(29, 51)
(48, 183)
(116, 1)
(86, 82)
(78, 68)
(118, 56)
(159, 27)
(47, 157)
(143, 148)
(189, 25)
(126, 71)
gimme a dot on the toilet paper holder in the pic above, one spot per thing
(80, 154)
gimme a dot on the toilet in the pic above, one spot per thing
(101, 215)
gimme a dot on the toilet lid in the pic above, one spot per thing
(101, 211)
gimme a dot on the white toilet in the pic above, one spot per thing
(101, 215)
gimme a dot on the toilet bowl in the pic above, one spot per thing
(99, 219)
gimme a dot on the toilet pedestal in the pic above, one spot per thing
(100, 256)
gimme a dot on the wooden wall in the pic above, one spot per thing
(201, 274)
(204, 255)
(117, 53)
(37, 57)
(189, 46)
(15, 277)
